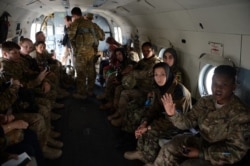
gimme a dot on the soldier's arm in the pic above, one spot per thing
(8, 97)
(147, 70)
(231, 150)
(188, 120)
(144, 73)
(100, 32)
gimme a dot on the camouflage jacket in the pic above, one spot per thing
(100, 35)
(143, 73)
(32, 68)
(226, 130)
(17, 70)
(81, 36)
(8, 95)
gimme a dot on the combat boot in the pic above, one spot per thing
(55, 143)
(78, 96)
(51, 153)
(101, 96)
(117, 122)
(61, 93)
(55, 116)
(57, 106)
(91, 94)
(106, 106)
(134, 155)
(114, 116)
(54, 134)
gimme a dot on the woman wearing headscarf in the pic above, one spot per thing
(123, 67)
(154, 123)
(170, 57)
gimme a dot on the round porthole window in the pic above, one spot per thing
(205, 80)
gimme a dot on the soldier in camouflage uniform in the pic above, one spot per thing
(153, 124)
(125, 65)
(142, 75)
(12, 67)
(223, 121)
(98, 32)
(81, 34)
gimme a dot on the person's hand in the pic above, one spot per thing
(190, 152)
(168, 104)
(9, 118)
(46, 87)
(13, 156)
(15, 83)
(6, 118)
(141, 130)
(18, 124)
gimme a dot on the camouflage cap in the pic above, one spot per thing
(90, 16)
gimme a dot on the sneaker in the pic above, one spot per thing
(134, 155)
(78, 96)
(55, 143)
(51, 153)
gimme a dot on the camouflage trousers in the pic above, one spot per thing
(36, 124)
(171, 153)
(44, 106)
(86, 74)
(127, 96)
(133, 116)
(117, 94)
(148, 144)
(111, 87)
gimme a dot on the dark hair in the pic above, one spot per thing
(39, 42)
(9, 45)
(111, 40)
(169, 74)
(25, 40)
(123, 51)
(226, 70)
(38, 33)
(149, 44)
(173, 52)
(76, 11)
(68, 18)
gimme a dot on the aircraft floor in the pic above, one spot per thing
(88, 137)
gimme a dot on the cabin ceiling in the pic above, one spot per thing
(217, 16)
(133, 7)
